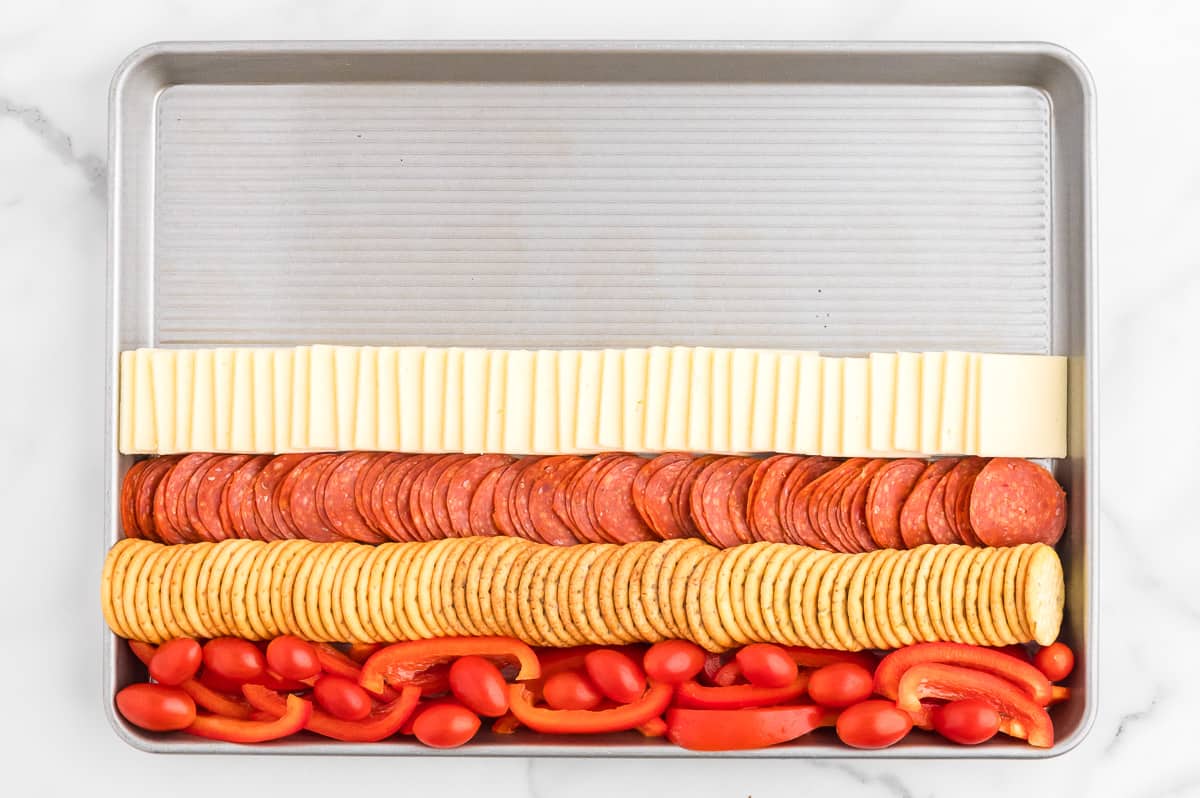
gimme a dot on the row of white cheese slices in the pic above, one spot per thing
(419, 399)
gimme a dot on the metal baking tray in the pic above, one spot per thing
(845, 197)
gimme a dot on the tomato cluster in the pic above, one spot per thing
(440, 691)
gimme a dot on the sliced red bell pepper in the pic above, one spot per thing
(231, 730)
(1020, 715)
(506, 724)
(693, 695)
(1059, 694)
(819, 657)
(361, 652)
(408, 663)
(740, 729)
(729, 674)
(384, 720)
(588, 721)
(655, 727)
(334, 661)
(989, 660)
(204, 696)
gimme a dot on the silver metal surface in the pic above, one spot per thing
(840, 197)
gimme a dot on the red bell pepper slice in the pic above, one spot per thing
(384, 720)
(655, 727)
(588, 721)
(506, 724)
(334, 661)
(231, 730)
(1019, 672)
(1059, 694)
(693, 695)
(361, 652)
(729, 674)
(204, 696)
(1020, 715)
(408, 663)
(740, 729)
(819, 657)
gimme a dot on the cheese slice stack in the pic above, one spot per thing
(419, 399)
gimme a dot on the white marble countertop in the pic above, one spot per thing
(56, 59)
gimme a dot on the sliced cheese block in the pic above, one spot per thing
(284, 367)
(203, 437)
(856, 410)
(322, 399)
(223, 399)
(906, 420)
(658, 375)
(387, 402)
(743, 363)
(366, 400)
(787, 381)
(699, 435)
(433, 399)
(545, 402)
(809, 391)
(518, 402)
(764, 415)
(973, 363)
(474, 400)
(952, 434)
(932, 367)
(262, 369)
(719, 440)
(452, 427)
(162, 367)
(633, 393)
(345, 393)
(587, 402)
(1022, 406)
(125, 403)
(497, 374)
(185, 373)
(610, 427)
(410, 362)
(678, 406)
(241, 423)
(567, 393)
(145, 435)
(831, 406)
(882, 401)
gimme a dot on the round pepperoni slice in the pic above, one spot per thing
(483, 502)
(660, 510)
(578, 493)
(616, 514)
(239, 499)
(368, 490)
(1015, 501)
(886, 496)
(958, 478)
(710, 500)
(209, 504)
(962, 502)
(797, 507)
(935, 511)
(681, 494)
(336, 493)
(298, 499)
(408, 500)
(828, 500)
(914, 527)
(143, 507)
(562, 491)
(547, 524)
(174, 527)
(642, 481)
(270, 521)
(854, 504)
(129, 486)
(762, 502)
(460, 494)
(432, 494)
(502, 516)
(739, 498)
(518, 501)
(387, 497)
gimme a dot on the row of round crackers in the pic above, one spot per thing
(589, 593)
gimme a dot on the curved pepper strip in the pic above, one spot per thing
(693, 695)
(231, 730)
(204, 696)
(655, 727)
(1020, 715)
(334, 661)
(740, 729)
(588, 721)
(819, 657)
(412, 663)
(1019, 672)
(384, 720)
(1059, 694)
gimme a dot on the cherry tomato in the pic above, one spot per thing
(616, 674)
(765, 665)
(840, 684)
(873, 724)
(479, 685)
(293, 658)
(446, 726)
(235, 659)
(176, 661)
(571, 690)
(673, 661)
(968, 721)
(156, 707)
(1056, 661)
(342, 697)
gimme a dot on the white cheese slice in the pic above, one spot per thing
(284, 371)
(719, 439)
(387, 403)
(241, 423)
(518, 402)
(856, 410)
(933, 366)
(345, 393)
(831, 406)
(203, 437)
(366, 400)
(185, 374)
(301, 356)
(785, 401)
(223, 399)
(545, 401)
(610, 428)
(906, 421)
(765, 413)
(262, 368)
(567, 392)
(658, 375)
(322, 398)
(809, 390)
(952, 437)
(699, 434)
(125, 403)
(883, 400)
(587, 403)
(972, 444)
(1022, 406)
(676, 414)
(452, 423)
(742, 366)
(633, 417)
(409, 367)
(497, 377)
(145, 436)
(474, 400)
(433, 399)
(163, 368)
